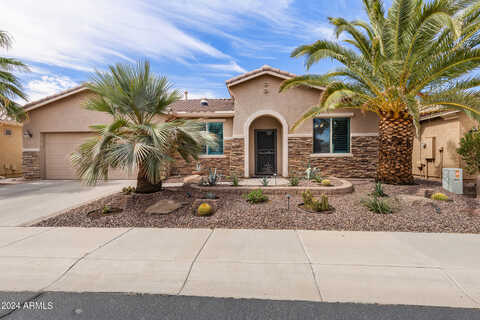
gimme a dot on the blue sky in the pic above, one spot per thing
(198, 44)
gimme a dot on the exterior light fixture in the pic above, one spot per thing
(27, 134)
(288, 202)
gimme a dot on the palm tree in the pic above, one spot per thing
(10, 86)
(419, 55)
(137, 138)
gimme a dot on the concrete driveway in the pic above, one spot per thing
(26, 203)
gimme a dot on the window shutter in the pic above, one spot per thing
(341, 135)
(217, 129)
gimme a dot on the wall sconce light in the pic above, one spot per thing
(27, 134)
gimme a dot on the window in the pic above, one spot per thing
(331, 135)
(215, 128)
(8, 132)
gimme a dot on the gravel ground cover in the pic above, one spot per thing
(411, 214)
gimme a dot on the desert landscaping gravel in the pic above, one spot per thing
(410, 213)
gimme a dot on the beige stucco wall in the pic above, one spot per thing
(265, 122)
(250, 97)
(10, 150)
(447, 133)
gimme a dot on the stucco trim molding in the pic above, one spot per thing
(300, 135)
(330, 155)
(335, 115)
(233, 137)
(246, 129)
(31, 150)
(364, 134)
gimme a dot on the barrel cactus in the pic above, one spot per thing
(326, 182)
(439, 196)
(204, 209)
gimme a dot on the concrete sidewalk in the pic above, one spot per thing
(366, 267)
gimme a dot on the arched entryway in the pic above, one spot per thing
(266, 144)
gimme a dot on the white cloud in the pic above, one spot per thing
(201, 94)
(232, 66)
(48, 85)
(85, 34)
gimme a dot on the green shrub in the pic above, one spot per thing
(235, 180)
(439, 196)
(326, 183)
(318, 178)
(294, 181)
(106, 209)
(378, 191)
(377, 205)
(265, 181)
(469, 150)
(256, 196)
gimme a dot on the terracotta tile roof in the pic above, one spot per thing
(194, 105)
(53, 96)
(265, 68)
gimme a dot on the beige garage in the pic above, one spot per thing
(58, 148)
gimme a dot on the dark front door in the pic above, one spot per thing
(265, 152)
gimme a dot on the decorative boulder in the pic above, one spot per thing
(193, 179)
(164, 206)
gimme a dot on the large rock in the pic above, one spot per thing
(193, 179)
(164, 206)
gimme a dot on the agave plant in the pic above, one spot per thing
(137, 138)
(418, 56)
(11, 88)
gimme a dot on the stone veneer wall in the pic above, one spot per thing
(237, 157)
(183, 168)
(31, 165)
(363, 164)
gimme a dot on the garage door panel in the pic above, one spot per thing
(59, 147)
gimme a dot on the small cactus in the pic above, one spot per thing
(210, 195)
(204, 209)
(439, 196)
(307, 197)
(324, 206)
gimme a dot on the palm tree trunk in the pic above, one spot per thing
(395, 149)
(144, 186)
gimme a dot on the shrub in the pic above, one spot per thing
(204, 209)
(256, 196)
(128, 190)
(378, 191)
(439, 196)
(469, 150)
(377, 205)
(235, 180)
(106, 209)
(318, 178)
(294, 181)
(326, 183)
(265, 181)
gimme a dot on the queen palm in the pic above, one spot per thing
(138, 138)
(10, 87)
(418, 56)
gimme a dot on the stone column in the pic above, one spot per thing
(31, 164)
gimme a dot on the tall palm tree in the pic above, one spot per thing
(137, 138)
(418, 55)
(10, 86)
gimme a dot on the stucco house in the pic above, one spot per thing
(10, 148)
(252, 126)
(436, 146)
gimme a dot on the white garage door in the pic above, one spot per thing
(58, 148)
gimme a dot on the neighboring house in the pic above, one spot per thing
(10, 149)
(436, 148)
(253, 128)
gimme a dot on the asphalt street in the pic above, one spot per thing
(60, 305)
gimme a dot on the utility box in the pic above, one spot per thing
(428, 148)
(452, 180)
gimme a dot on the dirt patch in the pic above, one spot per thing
(234, 212)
